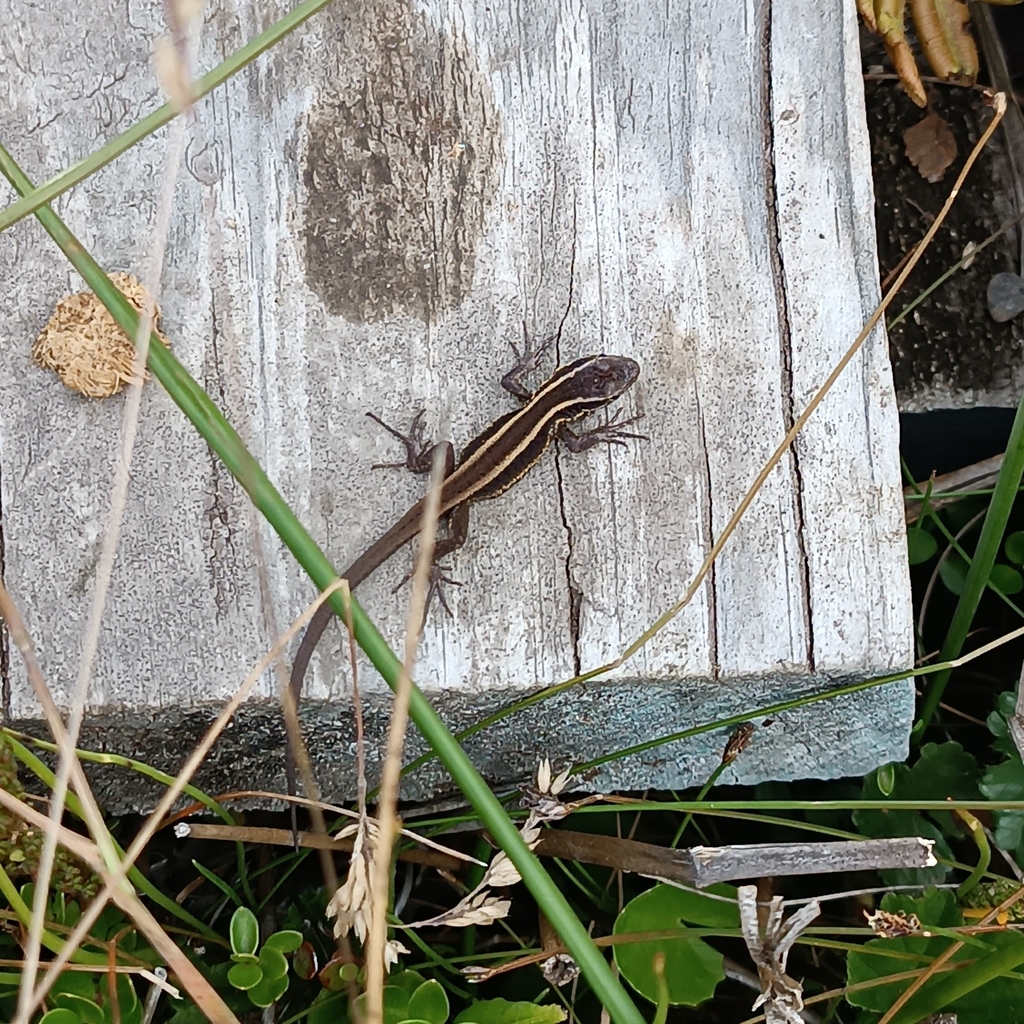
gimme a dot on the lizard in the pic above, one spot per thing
(488, 466)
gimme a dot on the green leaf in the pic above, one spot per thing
(997, 725)
(692, 967)
(245, 976)
(430, 1003)
(244, 931)
(215, 880)
(286, 941)
(407, 979)
(129, 1007)
(1014, 547)
(1008, 580)
(501, 1011)
(921, 546)
(86, 1011)
(953, 572)
(396, 1005)
(885, 779)
(273, 963)
(882, 957)
(60, 1015)
(1006, 782)
(268, 991)
(76, 983)
(942, 770)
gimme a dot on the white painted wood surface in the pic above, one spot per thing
(369, 216)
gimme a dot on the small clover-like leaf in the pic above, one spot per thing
(60, 1015)
(245, 976)
(1006, 579)
(921, 546)
(953, 572)
(1014, 547)
(268, 991)
(244, 931)
(407, 979)
(273, 963)
(286, 940)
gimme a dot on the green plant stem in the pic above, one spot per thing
(116, 760)
(984, 853)
(998, 514)
(225, 441)
(37, 197)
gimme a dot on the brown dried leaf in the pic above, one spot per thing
(941, 26)
(889, 17)
(866, 9)
(931, 147)
(891, 925)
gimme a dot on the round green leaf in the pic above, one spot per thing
(76, 982)
(1006, 579)
(885, 777)
(430, 1003)
(396, 1005)
(273, 962)
(85, 1010)
(268, 991)
(1014, 547)
(921, 546)
(245, 976)
(953, 573)
(60, 1015)
(286, 941)
(407, 979)
(127, 1002)
(692, 967)
(244, 931)
(336, 976)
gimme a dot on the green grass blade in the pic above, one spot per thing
(981, 566)
(224, 440)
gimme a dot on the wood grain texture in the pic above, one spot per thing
(369, 216)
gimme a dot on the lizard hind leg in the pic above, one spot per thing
(456, 527)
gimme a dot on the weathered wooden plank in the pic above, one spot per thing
(370, 216)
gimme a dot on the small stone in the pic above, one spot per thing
(1005, 296)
